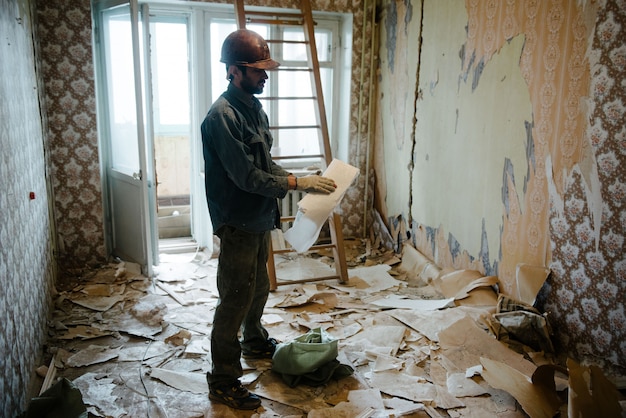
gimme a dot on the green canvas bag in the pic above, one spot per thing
(305, 354)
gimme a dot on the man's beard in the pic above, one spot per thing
(251, 88)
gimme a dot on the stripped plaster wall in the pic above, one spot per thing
(27, 267)
(511, 149)
(65, 29)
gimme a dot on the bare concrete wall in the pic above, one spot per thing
(500, 141)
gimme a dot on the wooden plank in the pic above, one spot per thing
(309, 36)
(50, 375)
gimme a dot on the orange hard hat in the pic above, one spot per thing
(247, 48)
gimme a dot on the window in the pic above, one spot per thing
(181, 76)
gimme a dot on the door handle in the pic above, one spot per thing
(137, 175)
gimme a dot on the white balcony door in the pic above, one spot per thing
(124, 117)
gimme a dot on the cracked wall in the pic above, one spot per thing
(518, 147)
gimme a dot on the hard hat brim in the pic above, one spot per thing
(268, 64)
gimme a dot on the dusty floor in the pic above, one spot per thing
(139, 347)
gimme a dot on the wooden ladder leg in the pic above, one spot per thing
(240, 14)
(271, 266)
(339, 251)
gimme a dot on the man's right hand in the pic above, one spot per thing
(315, 183)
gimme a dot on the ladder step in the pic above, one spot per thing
(312, 279)
(284, 41)
(307, 69)
(291, 18)
(288, 98)
(275, 18)
(283, 22)
(313, 248)
(294, 14)
(295, 157)
(295, 127)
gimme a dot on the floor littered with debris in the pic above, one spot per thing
(139, 347)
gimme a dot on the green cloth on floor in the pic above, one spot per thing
(310, 359)
(331, 370)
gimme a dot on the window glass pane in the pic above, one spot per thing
(294, 83)
(323, 42)
(294, 52)
(326, 75)
(171, 73)
(122, 105)
(296, 113)
(297, 142)
(298, 84)
(262, 30)
(297, 52)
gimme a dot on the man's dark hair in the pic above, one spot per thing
(242, 68)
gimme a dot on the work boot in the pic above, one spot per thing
(263, 351)
(234, 395)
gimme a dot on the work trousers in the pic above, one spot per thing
(243, 286)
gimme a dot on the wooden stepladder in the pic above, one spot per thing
(304, 19)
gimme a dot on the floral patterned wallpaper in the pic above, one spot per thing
(27, 268)
(586, 296)
(577, 92)
(65, 37)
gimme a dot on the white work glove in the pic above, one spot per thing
(315, 183)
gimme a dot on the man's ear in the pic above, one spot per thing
(230, 75)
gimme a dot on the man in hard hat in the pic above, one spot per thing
(242, 187)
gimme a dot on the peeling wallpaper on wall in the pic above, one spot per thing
(555, 68)
(588, 217)
(26, 253)
(65, 29)
(564, 204)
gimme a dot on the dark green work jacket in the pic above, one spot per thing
(241, 180)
